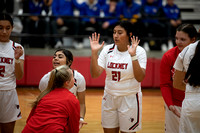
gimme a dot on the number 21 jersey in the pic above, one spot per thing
(120, 78)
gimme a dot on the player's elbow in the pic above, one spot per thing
(180, 86)
(175, 85)
(140, 79)
(140, 76)
(96, 72)
(94, 75)
(19, 77)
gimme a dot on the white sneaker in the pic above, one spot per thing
(164, 47)
(78, 45)
(58, 44)
(170, 44)
(146, 46)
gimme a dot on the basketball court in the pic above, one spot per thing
(152, 112)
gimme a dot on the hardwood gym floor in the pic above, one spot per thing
(152, 114)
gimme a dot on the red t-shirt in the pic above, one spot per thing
(57, 112)
(170, 95)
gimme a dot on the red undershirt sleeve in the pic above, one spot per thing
(166, 83)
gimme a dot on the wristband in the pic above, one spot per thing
(134, 58)
(17, 61)
(81, 119)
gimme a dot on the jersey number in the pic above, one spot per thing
(2, 70)
(116, 75)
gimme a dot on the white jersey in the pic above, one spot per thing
(7, 65)
(79, 84)
(120, 79)
(189, 120)
(183, 61)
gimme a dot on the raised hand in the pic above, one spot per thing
(134, 43)
(94, 42)
(18, 52)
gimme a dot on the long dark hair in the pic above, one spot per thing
(193, 74)
(5, 16)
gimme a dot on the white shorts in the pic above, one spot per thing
(124, 112)
(190, 115)
(171, 120)
(9, 106)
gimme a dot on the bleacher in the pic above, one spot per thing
(38, 60)
(190, 11)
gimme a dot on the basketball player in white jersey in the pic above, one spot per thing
(65, 57)
(187, 69)
(11, 68)
(125, 65)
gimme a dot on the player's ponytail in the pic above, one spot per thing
(57, 79)
(193, 74)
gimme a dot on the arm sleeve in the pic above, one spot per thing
(166, 83)
(54, 7)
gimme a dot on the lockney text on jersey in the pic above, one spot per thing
(117, 65)
(6, 60)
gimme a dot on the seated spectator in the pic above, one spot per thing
(90, 11)
(64, 12)
(153, 25)
(56, 108)
(25, 6)
(102, 2)
(172, 13)
(17, 20)
(156, 2)
(47, 7)
(109, 10)
(34, 24)
(130, 10)
(7, 6)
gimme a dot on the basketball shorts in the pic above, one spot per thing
(190, 115)
(9, 110)
(124, 112)
(171, 120)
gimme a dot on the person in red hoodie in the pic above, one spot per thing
(56, 109)
(185, 34)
